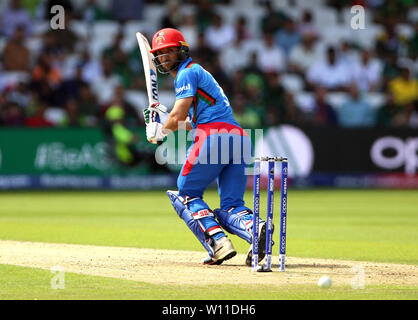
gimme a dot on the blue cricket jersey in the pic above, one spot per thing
(210, 103)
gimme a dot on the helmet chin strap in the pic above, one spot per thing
(160, 66)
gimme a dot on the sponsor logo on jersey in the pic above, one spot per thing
(181, 89)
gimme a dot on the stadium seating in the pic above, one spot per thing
(292, 82)
(81, 28)
(103, 35)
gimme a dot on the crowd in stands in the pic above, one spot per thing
(282, 67)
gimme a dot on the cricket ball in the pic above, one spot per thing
(324, 282)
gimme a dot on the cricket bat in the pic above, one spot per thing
(149, 68)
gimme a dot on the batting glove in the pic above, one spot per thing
(155, 113)
(155, 132)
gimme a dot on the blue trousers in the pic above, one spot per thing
(223, 156)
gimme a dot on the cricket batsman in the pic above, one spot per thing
(219, 141)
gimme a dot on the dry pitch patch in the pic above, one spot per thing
(172, 267)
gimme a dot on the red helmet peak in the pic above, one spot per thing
(165, 38)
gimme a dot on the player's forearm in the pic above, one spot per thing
(179, 115)
(175, 123)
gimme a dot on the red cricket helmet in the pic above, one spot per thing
(166, 38)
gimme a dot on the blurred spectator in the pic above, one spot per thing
(72, 117)
(106, 84)
(31, 6)
(92, 69)
(70, 88)
(323, 113)
(389, 42)
(275, 98)
(44, 70)
(356, 111)
(91, 12)
(205, 13)
(275, 92)
(305, 54)
(387, 113)
(87, 101)
(254, 87)
(2, 108)
(413, 44)
(119, 60)
(124, 146)
(219, 35)
(244, 114)
(306, 25)
(12, 115)
(127, 10)
(190, 30)
(66, 39)
(347, 56)
(404, 88)
(413, 114)
(46, 78)
(390, 70)
(219, 74)
(52, 47)
(273, 20)
(253, 68)
(340, 4)
(173, 17)
(20, 95)
(328, 73)
(120, 139)
(271, 58)
(237, 81)
(13, 16)
(408, 116)
(292, 113)
(16, 56)
(235, 56)
(131, 117)
(367, 72)
(241, 28)
(287, 37)
(37, 119)
(34, 102)
(203, 54)
(391, 9)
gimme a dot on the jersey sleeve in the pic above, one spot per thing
(186, 83)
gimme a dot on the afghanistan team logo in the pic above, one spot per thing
(160, 38)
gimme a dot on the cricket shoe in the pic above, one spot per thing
(222, 250)
(261, 244)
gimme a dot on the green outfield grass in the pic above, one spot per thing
(29, 284)
(369, 225)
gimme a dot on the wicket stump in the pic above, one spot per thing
(269, 219)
